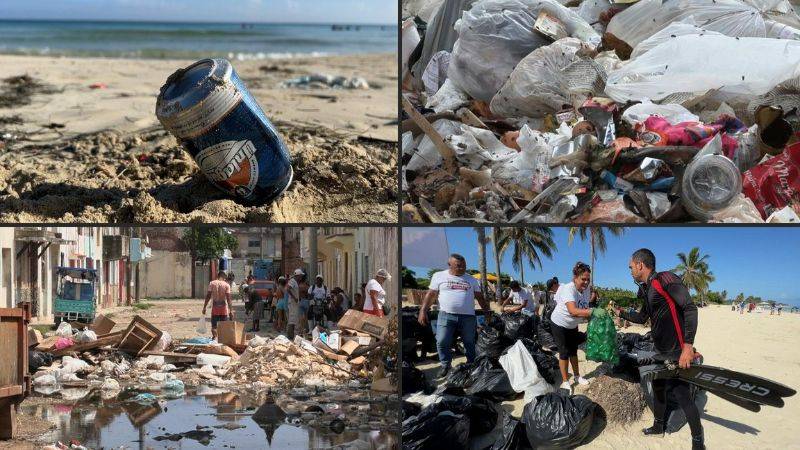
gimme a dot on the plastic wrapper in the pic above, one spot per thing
(657, 131)
(590, 11)
(439, 35)
(409, 40)
(494, 35)
(424, 9)
(610, 211)
(784, 215)
(64, 330)
(601, 338)
(448, 98)
(436, 73)
(538, 86)
(475, 147)
(740, 210)
(85, 336)
(695, 63)
(63, 342)
(673, 113)
(710, 183)
(558, 420)
(671, 31)
(530, 168)
(729, 17)
(775, 183)
(426, 155)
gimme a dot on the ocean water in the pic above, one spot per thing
(191, 40)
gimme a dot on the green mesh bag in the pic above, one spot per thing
(601, 338)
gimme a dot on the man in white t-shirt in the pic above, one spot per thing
(457, 294)
(293, 303)
(376, 295)
(519, 299)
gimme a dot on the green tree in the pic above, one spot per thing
(740, 297)
(207, 243)
(527, 245)
(694, 272)
(597, 241)
(409, 278)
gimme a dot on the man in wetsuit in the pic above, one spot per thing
(673, 321)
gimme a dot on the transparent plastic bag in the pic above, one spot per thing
(201, 326)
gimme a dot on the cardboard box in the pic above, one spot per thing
(318, 343)
(230, 332)
(102, 325)
(367, 323)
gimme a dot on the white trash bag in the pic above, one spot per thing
(201, 325)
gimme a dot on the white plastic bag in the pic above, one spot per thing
(425, 156)
(695, 63)
(538, 86)
(85, 336)
(201, 325)
(521, 368)
(64, 330)
(673, 113)
(449, 97)
(164, 341)
(204, 359)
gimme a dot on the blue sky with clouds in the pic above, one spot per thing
(283, 11)
(760, 261)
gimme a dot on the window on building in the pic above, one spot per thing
(253, 243)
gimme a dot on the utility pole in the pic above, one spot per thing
(312, 247)
(139, 235)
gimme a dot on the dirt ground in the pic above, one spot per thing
(69, 153)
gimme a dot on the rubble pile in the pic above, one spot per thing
(597, 111)
(286, 364)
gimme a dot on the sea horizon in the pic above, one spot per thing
(192, 40)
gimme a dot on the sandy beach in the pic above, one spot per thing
(72, 153)
(755, 343)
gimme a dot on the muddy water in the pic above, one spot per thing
(194, 421)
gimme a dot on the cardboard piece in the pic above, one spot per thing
(34, 337)
(357, 361)
(360, 340)
(318, 343)
(47, 344)
(332, 355)
(350, 346)
(367, 323)
(102, 325)
(230, 332)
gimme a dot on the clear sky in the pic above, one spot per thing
(284, 11)
(758, 261)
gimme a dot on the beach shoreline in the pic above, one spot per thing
(66, 153)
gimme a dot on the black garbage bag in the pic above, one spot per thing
(635, 350)
(38, 359)
(434, 430)
(460, 376)
(414, 380)
(490, 381)
(558, 420)
(410, 409)
(491, 342)
(517, 325)
(544, 338)
(482, 412)
(513, 435)
(546, 362)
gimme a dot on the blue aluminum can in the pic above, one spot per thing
(216, 119)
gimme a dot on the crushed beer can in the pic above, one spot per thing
(207, 107)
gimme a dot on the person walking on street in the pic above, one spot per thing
(219, 292)
(256, 306)
(376, 296)
(457, 294)
(293, 303)
(673, 322)
(572, 307)
(319, 295)
(281, 304)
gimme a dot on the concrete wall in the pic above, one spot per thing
(166, 274)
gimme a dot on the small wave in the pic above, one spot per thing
(261, 55)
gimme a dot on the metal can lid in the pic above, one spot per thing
(191, 85)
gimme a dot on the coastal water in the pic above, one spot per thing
(236, 41)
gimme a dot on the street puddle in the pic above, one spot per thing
(219, 420)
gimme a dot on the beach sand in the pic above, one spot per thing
(757, 344)
(74, 153)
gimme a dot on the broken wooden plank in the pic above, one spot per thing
(469, 118)
(140, 335)
(448, 154)
(102, 341)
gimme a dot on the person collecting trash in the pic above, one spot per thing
(673, 323)
(376, 296)
(572, 301)
(519, 299)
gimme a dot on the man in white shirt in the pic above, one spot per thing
(293, 305)
(457, 294)
(519, 299)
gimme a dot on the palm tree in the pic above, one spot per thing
(529, 244)
(693, 270)
(482, 257)
(496, 248)
(597, 241)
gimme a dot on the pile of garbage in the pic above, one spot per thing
(88, 357)
(601, 111)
